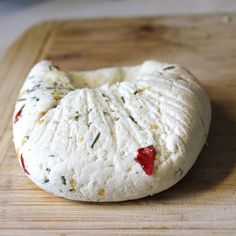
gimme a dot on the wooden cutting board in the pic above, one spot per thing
(203, 203)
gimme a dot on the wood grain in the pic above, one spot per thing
(203, 203)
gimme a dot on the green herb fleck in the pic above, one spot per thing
(104, 95)
(181, 171)
(77, 117)
(169, 68)
(48, 169)
(136, 92)
(33, 89)
(123, 100)
(21, 99)
(95, 140)
(132, 118)
(63, 179)
(105, 113)
(50, 67)
(89, 124)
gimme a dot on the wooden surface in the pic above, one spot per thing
(203, 203)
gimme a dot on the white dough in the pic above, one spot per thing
(77, 133)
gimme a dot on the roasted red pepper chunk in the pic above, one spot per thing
(145, 158)
(18, 114)
(23, 164)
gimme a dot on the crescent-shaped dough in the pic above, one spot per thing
(77, 134)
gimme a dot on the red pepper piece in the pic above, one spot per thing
(23, 164)
(18, 114)
(145, 158)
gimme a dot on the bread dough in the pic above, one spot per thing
(77, 134)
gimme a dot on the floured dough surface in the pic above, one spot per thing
(77, 134)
